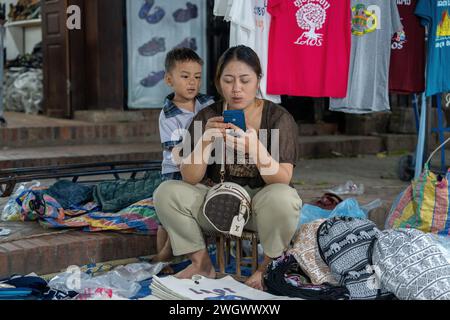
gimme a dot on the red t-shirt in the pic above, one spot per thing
(407, 70)
(309, 47)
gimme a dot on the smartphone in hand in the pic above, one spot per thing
(236, 117)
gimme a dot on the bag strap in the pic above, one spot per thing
(321, 253)
(224, 150)
(427, 163)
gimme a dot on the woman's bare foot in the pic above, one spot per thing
(167, 270)
(201, 265)
(193, 270)
(165, 255)
(256, 279)
(163, 247)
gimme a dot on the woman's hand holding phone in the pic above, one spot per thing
(243, 142)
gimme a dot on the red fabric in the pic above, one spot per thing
(407, 70)
(304, 62)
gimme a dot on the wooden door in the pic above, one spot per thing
(56, 59)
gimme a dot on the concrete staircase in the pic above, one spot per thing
(40, 141)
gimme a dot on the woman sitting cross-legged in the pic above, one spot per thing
(266, 175)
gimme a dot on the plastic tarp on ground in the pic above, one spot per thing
(154, 28)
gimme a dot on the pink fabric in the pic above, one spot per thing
(307, 62)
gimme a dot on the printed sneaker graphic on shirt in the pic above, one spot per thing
(443, 29)
(311, 16)
(364, 21)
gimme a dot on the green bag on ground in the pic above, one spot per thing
(114, 196)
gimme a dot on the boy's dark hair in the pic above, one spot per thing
(181, 55)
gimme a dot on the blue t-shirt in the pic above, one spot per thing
(435, 14)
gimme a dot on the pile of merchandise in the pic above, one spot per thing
(122, 205)
(25, 10)
(338, 254)
(23, 86)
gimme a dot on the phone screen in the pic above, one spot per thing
(236, 117)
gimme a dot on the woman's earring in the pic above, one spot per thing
(260, 92)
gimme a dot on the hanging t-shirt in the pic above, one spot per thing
(407, 72)
(374, 22)
(435, 14)
(261, 47)
(222, 8)
(309, 47)
(250, 25)
(242, 27)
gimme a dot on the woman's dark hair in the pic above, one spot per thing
(181, 55)
(239, 53)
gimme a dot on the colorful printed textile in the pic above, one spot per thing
(34, 207)
(424, 205)
(139, 217)
(412, 265)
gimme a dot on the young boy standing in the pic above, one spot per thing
(183, 75)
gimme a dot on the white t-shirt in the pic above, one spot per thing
(250, 25)
(222, 8)
(242, 28)
(262, 25)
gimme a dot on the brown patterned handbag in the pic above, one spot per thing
(227, 208)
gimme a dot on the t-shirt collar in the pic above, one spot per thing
(171, 109)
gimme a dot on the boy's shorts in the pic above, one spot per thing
(172, 176)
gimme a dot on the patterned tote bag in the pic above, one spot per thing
(412, 265)
(344, 245)
(306, 251)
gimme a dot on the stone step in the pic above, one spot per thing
(318, 129)
(30, 248)
(102, 116)
(399, 142)
(310, 147)
(332, 145)
(25, 131)
(61, 155)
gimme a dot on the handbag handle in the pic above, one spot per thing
(434, 152)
